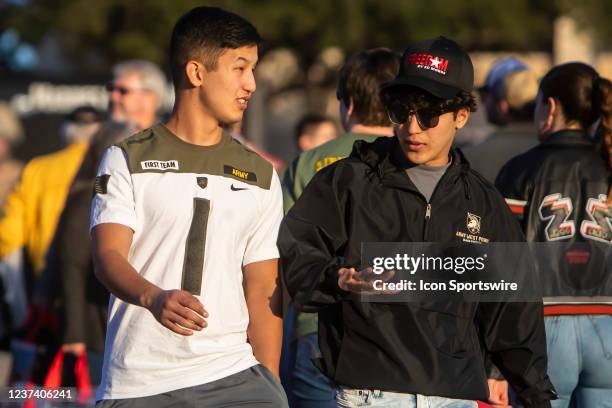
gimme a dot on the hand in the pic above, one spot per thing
(498, 393)
(362, 282)
(74, 348)
(179, 311)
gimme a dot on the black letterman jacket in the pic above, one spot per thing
(431, 349)
(558, 192)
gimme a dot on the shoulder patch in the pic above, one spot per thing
(101, 184)
(326, 161)
(240, 174)
(159, 165)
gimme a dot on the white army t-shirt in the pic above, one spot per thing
(199, 214)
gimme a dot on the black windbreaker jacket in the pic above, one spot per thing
(430, 349)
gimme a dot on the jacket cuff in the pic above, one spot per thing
(493, 372)
(538, 399)
(331, 278)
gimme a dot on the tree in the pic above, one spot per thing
(94, 34)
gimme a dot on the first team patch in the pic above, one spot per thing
(241, 174)
(101, 184)
(159, 165)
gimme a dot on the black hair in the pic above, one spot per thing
(417, 99)
(204, 33)
(309, 120)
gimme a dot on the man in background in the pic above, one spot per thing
(314, 130)
(32, 209)
(136, 92)
(363, 117)
(508, 96)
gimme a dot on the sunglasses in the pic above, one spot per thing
(400, 114)
(110, 88)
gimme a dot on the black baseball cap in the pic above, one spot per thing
(438, 65)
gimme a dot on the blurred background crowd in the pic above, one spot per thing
(58, 55)
(66, 66)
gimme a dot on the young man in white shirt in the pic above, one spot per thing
(184, 225)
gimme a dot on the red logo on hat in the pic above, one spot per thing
(429, 62)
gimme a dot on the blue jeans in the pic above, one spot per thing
(310, 387)
(305, 385)
(580, 359)
(351, 398)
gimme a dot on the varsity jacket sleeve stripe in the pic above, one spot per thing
(514, 191)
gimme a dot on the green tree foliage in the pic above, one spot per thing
(95, 33)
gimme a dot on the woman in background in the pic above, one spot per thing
(561, 193)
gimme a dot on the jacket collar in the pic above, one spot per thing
(568, 137)
(385, 162)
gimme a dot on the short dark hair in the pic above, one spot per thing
(309, 120)
(204, 33)
(359, 82)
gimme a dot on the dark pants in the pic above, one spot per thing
(253, 387)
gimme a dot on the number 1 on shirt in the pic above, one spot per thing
(193, 265)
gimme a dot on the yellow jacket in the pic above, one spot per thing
(32, 210)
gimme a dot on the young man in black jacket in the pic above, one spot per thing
(410, 188)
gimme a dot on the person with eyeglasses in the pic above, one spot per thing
(136, 93)
(410, 188)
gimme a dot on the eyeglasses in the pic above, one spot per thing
(399, 114)
(111, 87)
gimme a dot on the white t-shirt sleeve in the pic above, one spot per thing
(114, 198)
(261, 245)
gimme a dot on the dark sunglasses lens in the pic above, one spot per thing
(110, 88)
(398, 114)
(428, 119)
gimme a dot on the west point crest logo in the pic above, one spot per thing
(473, 223)
(428, 62)
(202, 182)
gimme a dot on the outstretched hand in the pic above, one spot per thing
(362, 282)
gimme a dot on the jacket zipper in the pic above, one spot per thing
(427, 217)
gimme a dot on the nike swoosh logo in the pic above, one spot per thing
(237, 188)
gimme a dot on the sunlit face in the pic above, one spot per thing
(226, 91)
(430, 146)
(130, 102)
